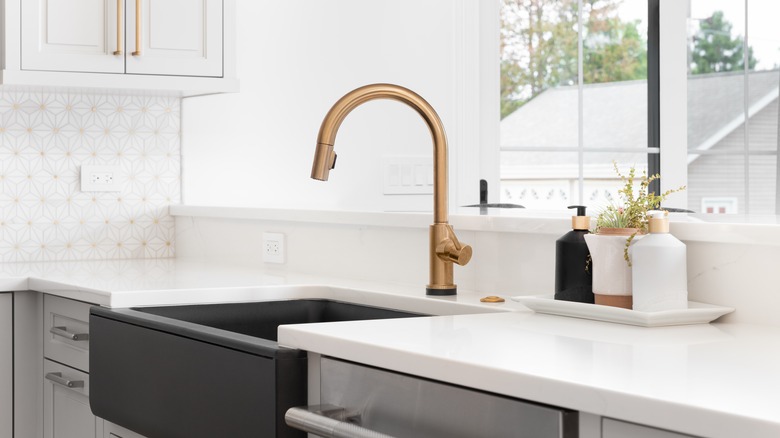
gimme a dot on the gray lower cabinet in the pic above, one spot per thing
(620, 429)
(6, 365)
(66, 411)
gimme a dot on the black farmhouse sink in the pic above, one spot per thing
(206, 370)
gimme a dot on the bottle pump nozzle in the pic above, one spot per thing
(581, 221)
(657, 221)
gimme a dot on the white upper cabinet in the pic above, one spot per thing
(70, 35)
(186, 45)
(177, 37)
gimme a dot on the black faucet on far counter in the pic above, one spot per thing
(483, 200)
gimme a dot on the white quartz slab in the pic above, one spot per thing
(713, 380)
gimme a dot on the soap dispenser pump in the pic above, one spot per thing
(659, 277)
(573, 279)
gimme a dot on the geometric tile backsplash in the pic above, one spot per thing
(45, 138)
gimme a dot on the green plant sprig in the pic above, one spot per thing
(632, 213)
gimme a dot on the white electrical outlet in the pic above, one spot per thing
(273, 247)
(100, 178)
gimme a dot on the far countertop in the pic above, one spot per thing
(713, 380)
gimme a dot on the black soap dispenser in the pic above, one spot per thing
(573, 279)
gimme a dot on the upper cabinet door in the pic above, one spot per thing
(72, 35)
(174, 37)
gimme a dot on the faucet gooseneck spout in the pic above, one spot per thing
(445, 249)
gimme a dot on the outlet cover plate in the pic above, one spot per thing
(101, 178)
(407, 175)
(273, 248)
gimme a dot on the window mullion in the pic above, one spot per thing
(580, 106)
(673, 105)
(653, 94)
(746, 98)
(777, 165)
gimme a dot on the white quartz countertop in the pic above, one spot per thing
(160, 282)
(713, 380)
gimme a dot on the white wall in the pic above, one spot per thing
(738, 275)
(254, 148)
(504, 264)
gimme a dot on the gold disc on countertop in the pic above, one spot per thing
(492, 299)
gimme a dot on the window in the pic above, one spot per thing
(574, 97)
(580, 88)
(733, 79)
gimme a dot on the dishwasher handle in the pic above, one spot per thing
(328, 421)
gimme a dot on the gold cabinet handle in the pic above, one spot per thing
(119, 28)
(137, 28)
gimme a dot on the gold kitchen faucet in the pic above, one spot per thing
(445, 249)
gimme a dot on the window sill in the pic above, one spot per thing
(735, 229)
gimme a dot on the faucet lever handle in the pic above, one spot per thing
(451, 250)
(460, 254)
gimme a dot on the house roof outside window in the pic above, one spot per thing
(615, 116)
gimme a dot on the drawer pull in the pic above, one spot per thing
(119, 21)
(328, 421)
(57, 378)
(63, 332)
(138, 28)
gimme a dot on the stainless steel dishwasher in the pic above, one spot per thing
(361, 402)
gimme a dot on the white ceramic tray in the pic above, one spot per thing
(696, 313)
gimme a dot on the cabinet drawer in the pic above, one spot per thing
(66, 411)
(66, 331)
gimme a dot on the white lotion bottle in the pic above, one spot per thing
(659, 272)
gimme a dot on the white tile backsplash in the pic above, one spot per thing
(45, 138)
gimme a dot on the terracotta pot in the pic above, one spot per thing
(611, 273)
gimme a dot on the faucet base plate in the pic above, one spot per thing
(441, 292)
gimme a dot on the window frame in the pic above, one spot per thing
(667, 101)
(667, 114)
(653, 93)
